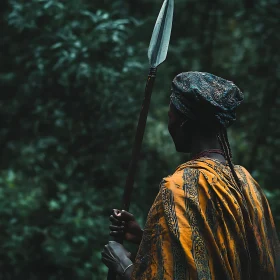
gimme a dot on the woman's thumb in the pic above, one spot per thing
(126, 216)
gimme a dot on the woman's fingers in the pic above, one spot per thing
(122, 215)
(116, 233)
(114, 221)
(116, 228)
(126, 216)
(116, 213)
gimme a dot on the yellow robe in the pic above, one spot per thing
(200, 227)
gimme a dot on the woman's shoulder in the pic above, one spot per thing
(180, 178)
(245, 175)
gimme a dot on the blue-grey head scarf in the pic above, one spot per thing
(206, 98)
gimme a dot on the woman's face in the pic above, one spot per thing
(179, 130)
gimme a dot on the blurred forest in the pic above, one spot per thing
(72, 80)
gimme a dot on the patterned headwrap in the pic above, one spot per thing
(205, 97)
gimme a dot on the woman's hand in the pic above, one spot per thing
(116, 258)
(124, 225)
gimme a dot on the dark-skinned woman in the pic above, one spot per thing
(210, 219)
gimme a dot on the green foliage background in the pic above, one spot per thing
(72, 78)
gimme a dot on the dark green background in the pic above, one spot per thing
(72, 79)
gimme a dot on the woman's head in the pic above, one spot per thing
(206, 98)
(201, 105)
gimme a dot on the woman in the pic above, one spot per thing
(210, 219)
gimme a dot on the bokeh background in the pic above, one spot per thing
(72, 80)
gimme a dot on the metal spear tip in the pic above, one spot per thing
(161, 35)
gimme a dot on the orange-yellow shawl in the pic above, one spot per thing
(200, 227)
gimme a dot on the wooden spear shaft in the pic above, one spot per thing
(138, 140)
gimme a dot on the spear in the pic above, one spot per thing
(157, 54)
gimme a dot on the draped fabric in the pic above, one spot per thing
(201, 227)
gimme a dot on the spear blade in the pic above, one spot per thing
(161, 35)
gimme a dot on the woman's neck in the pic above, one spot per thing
(207, 147)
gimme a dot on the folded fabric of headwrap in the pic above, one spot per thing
(206, 98)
